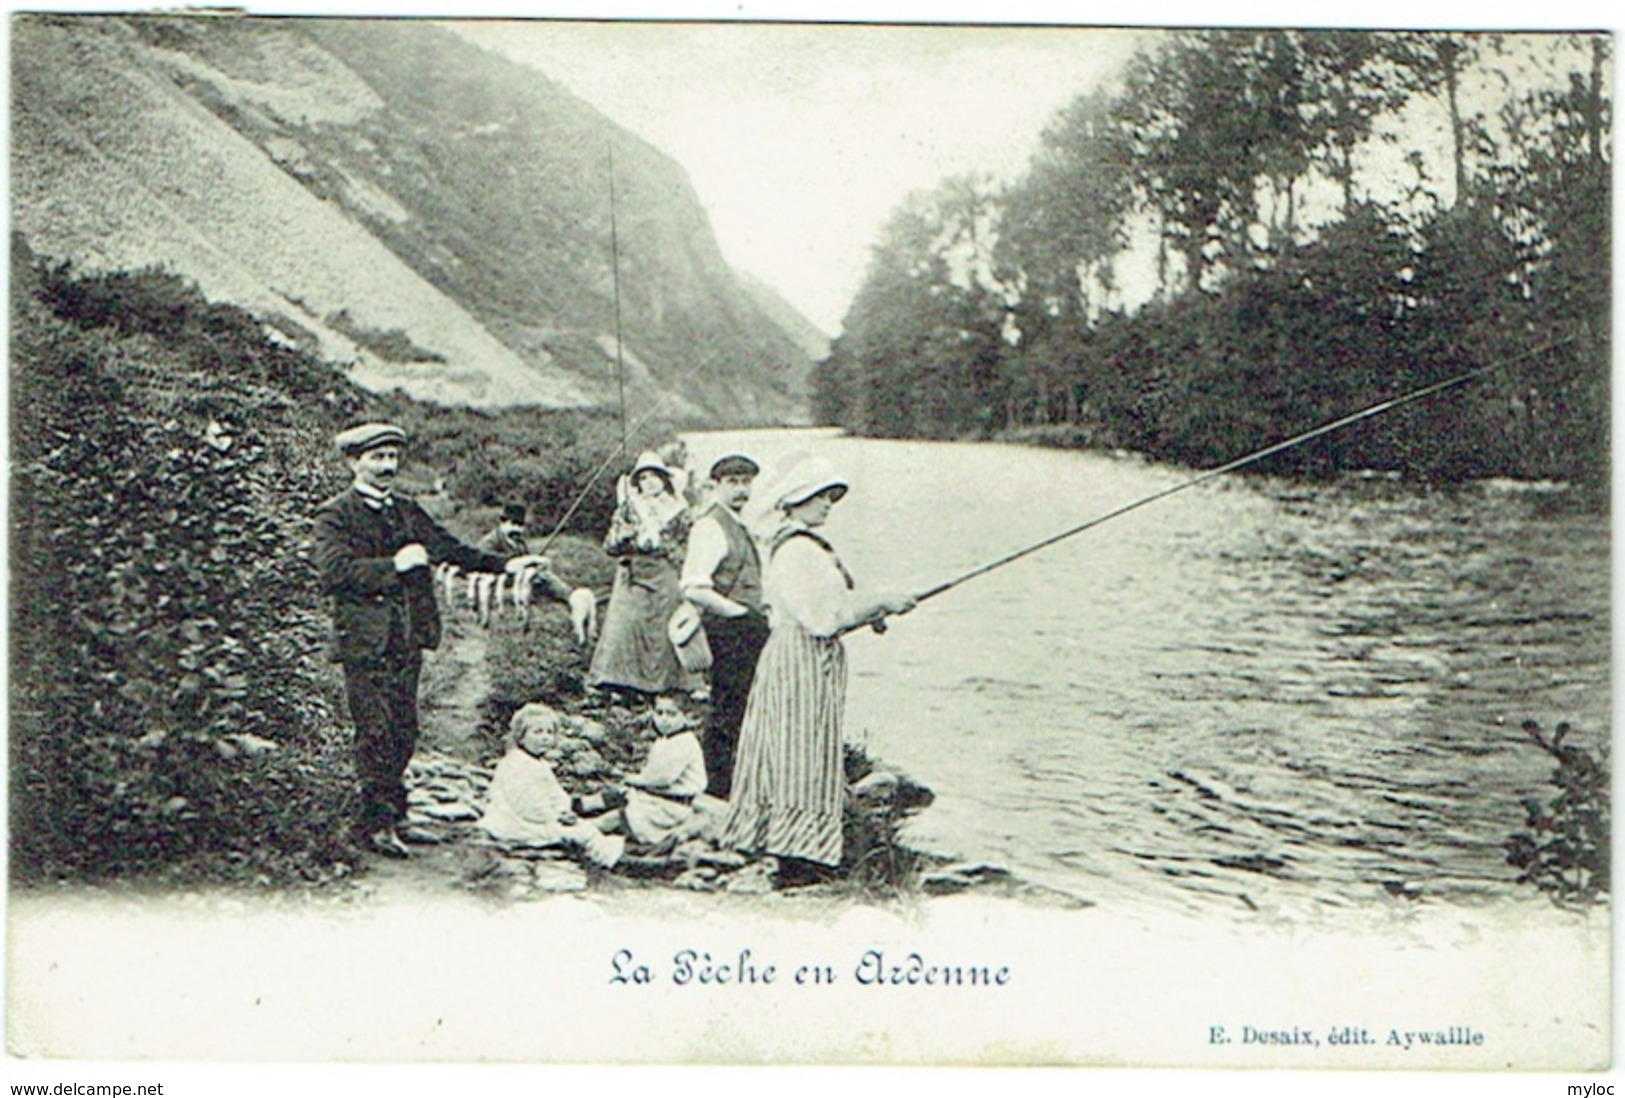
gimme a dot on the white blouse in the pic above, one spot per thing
(676, 764)
(707, 546)
(803, 586)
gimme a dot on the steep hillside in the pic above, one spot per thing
(385, 193)
(813, 341)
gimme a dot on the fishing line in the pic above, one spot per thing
(615, 279)
(620, 372)
(1232, 466)
(581, 496)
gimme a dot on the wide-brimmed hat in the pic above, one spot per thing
(734, 465)
(687, 635)
(809, 478)
(355, 441)
(648, 462)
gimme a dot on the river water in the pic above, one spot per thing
(1252, 696)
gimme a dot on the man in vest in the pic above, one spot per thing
(722, 576)
(373, 551)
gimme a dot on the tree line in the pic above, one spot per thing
(1247, 235)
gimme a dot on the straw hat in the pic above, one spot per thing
(689, 639)
(648, 462)
(806, 480)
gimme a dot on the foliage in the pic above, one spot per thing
(921, 341)
(539, 665)
(173, 708)
(171, 698)
(199, 334)
(540, 660)
(1564, 847)
(542, 459)
(874, 859)
(1296, 283)
(393, 345)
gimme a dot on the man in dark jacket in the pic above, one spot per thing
(374, 549)
(508, 537)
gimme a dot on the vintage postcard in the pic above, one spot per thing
(750, 540)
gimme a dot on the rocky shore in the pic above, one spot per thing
(446, 797)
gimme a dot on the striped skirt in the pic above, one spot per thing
(788, 784)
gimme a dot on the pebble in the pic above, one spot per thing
(698, 879)
(979, 871)
(252, 744)
(722, 859)
(878, 787)
(755, 879)
(960, 877)
(455, 810)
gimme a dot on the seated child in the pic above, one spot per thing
(525, 804)
(658, 799)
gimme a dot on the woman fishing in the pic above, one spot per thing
(788, 783)
(646, 537)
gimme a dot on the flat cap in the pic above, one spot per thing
(353, 441)
(734, 465)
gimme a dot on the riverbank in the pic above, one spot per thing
(528, 669)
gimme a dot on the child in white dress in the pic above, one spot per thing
(659, 799)
(526, 805)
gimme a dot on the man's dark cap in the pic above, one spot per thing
(514, 513)
(355, 441)
(734, 465)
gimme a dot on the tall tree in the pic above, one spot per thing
(1551, 174)
(1348, 85)
(1062, 227)
(924, 331)
(1433, 63)
(1213, 119)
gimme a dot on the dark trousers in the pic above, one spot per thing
(736, 645)
(383, 695)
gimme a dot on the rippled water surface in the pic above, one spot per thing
(1251, 695)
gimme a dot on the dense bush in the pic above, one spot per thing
(173, 707)
(171, 700)
(544, 664)
(195, 333)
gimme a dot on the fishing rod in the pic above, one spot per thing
(627, 434)
(581, 496)
(1228, 467)
(615, 280)
(620, 368)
